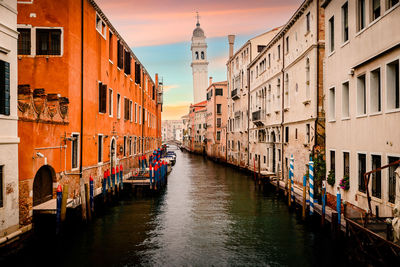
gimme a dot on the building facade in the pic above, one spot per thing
(238, 87)
(172, 130)
(9, 211)
(286, 95)
(362, 97)
(86, 104)
(199, 64)
(216, 118)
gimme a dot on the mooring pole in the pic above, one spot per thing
(150, 175)
(304, 197)
(338, 204)
(58, 211)
(105, 186)
(292, 179)
(64, 202)
(91, 185)
(311, 181)
(87, 199)
(117, 179)
(323, 202)
(121, 175)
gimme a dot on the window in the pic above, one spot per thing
(136, 112)
(100, 148)
(137, 73)
(218, 136)
(345, 100)
(360, 15)
(308, 79)
(219, 91)
(126, 108)
(4, 88)
(375, 91)
(197, 55)
(361, 96)
(24, 42)
(269, 60)
(130, 110)
(393, 89)
(333, 163)
(125, 140)
(287, 134)
(48, 42)
(120, 54)
(295, 133)
(346, 164)
(1, 185)
(100, 25)
(130, 146)
(375, 9)
(287, 44)
(74, 151)
(286, 96)
(391, 3)
(332, 103)
(362, 168)
(308, 22)
(140, 115)
(308, 134)
(118, 106)
(127, 63)
(218, 122)
(345, 22)
(332, 34)
(110, 45)
(110, 102)
(202, 55)
(376, 177)
(279, 52)
(392, 179)
(102, 98)
(219, 108)
(134, 146)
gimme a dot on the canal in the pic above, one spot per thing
(209, 215)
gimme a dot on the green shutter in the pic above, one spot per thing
(4, 88)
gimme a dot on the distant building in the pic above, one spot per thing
(199, 64)
(362, 99)
(172, 130)
(216, 118)
(195, 139)
(9, 210)
(238, 93)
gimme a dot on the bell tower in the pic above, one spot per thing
(199, 63)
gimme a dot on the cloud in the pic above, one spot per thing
(175, 112)
(168, 88)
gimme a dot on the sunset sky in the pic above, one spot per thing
(159, 33)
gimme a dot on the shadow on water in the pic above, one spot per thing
(209, 214)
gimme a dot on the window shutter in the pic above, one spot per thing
(102, 98)
(4, 88)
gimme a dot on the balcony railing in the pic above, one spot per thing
(256, 115)
(234, 94)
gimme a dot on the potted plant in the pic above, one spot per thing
(345, 183)
(331, 178)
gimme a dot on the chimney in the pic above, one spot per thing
(210, 81)
(231, 40)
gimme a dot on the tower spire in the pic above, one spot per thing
(198, 19)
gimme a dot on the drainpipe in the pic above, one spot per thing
(283, 106)
(81, 181)
(318, 69)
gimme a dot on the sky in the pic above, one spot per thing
(159, 33)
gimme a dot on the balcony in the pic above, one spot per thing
(256, 117)
(237, 114)
(234, 94)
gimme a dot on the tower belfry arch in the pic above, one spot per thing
(199, 62)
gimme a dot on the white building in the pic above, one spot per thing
(199, 64)
(172, 130)
(9, 209)
(237, 133)
(363, 98)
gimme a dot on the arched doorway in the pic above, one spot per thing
(273, 140)
(112, 153)
(43, 185)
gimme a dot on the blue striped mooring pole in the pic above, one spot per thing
(311, 178)
(338, 204)
(91, 190)
(121, 175)
(291, 177)
(58, 211)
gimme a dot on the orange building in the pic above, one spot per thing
(197, 127)
(85, 102)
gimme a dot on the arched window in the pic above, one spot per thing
(307, 79)
(197, 55)
(286, 99)
(202, 55)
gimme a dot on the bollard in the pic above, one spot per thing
(91, 184)
(58, 211)
(113, 180)
(338, 204)
(105, 186)
(150, 176)
(304, 197)
(64, 202)
(311, 181)
(291, 194)
(87, 199)
(121, 175)
(323, 202)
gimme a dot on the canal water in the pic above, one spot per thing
(209, 215)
